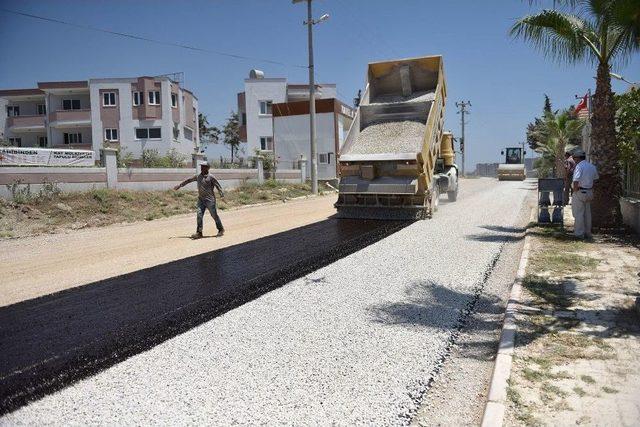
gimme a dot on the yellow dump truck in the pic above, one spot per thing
(513, 167)
(396, 159)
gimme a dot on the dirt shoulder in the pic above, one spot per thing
(51, 211)
(578, 340)
(40, 265)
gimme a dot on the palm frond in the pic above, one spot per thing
(563, 36)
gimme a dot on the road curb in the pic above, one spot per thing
(497, 398)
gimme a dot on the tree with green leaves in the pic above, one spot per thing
(603, 35)
(231, 132)
(558, 133)
(208, 134)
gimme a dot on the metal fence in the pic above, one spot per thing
(632, 182)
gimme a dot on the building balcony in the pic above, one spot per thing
(70, 118)
(17, 124)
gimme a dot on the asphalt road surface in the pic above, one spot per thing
(335, 322)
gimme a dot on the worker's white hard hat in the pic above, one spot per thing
(203, 163)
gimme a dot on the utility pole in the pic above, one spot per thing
(462, 111)
(312, 95)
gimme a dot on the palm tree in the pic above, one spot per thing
(602, 35)
(557, 133)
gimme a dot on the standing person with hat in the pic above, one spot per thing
(206, 197)
(583, 177)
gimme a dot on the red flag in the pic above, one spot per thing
(582, 104)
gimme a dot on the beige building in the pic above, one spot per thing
(132, 113)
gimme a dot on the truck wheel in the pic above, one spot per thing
(453, 195)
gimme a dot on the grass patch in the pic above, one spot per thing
(523, 412)
(553, 390)
(563, 261)
(99, 207)
(549, 293)
(579, 391)
(587, 379)
(610, 390)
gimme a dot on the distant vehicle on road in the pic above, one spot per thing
(513, 167)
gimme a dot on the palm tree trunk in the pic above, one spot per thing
(604, 154)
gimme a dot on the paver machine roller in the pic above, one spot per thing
(396, 159)
(513, 167)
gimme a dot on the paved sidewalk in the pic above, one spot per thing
(578, 342)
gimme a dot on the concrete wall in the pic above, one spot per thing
(291, 139)
(631, 212)
(72, 179)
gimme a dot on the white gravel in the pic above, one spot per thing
(425, 96)
(355, 342)
(390, 137)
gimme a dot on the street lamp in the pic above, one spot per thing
(619, 77)
(310, 22)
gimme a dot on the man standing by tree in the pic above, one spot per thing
(206, 198)
(583, 177)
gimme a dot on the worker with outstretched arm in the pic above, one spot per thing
(206, 197)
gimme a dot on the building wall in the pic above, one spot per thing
(292, 139)
(258, 125)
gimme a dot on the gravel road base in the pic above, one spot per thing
(459, 392)
(356, 342)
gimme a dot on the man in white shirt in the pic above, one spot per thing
(583, 177)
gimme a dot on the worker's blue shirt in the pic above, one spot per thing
(584, 174)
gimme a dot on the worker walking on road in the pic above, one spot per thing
(583, 177)
(206, 197)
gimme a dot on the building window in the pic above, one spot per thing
(109, 99)
(73, 138)
(244, 119)
(42, 141)
(188, 133)
(71, 104)
(111, 134)
(265, 107)
(174, 100)
(148, 133)
(138, 99)
(13, 110)
(16, 142)
(324, 158)
(176, 131)
(154, 98)
(42, 109)
(266, 143)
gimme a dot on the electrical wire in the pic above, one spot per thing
(150, 40)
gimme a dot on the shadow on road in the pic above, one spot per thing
(56, 340)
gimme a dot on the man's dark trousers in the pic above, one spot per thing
(203, 205)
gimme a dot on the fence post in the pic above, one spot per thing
(303, 169)
(109, 160)
(195, 158)
(260, 166)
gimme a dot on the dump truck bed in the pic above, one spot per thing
(389, 156)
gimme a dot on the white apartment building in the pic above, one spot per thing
(291, 133)
(255, 106)
(274, 117)
(131, 113)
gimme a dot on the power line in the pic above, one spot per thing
(146, 39)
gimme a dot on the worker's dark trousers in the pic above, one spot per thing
(203, 205)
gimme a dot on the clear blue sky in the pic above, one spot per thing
(504, 79)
